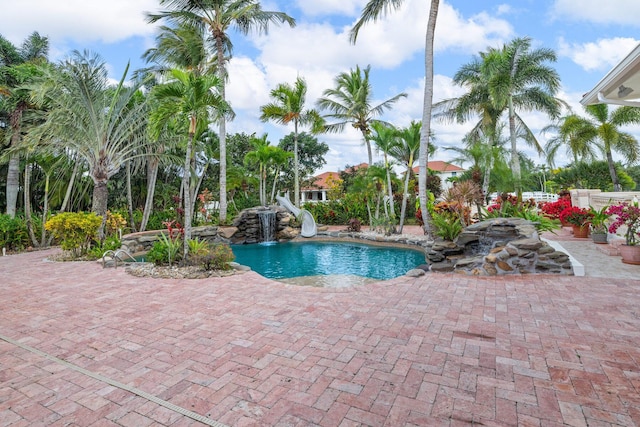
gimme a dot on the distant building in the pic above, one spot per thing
(444, 170)
(319, 188)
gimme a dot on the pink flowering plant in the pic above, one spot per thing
(626, 214)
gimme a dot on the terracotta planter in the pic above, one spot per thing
(581, 231)
(630, 254)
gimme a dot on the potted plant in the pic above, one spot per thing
(579, 218)
(627, 215)
(599, 227)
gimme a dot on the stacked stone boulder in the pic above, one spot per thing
(247, 225)
(497, 247)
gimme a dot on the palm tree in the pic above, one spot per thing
(102, 125)
(406, 152)
(568, 134)
(187, 99)
(267, 157)
(18, 66)
(181, 47)
(385, 137)
(350, 102)
(219, 16)
(519, 79)
(261, 155)
(601, 129)
(371, 12)
(288, 107)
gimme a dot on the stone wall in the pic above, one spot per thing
(143, 241)
(497, 247)
(245, 230)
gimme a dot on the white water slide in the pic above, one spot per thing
(309, 228)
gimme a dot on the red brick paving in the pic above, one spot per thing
(440, 350)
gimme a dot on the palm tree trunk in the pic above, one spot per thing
(296, 166)
(99, 203)
(152, 177)
(27, 203)
(45, 210)
(13, 170)
(13, 184)
(222, 134)
(392, 211)
(273, 189)
(67, 195)
(130, 197)
(426, 115)
(405, 196)
(515, 159)
(186, 184)
(612, 171)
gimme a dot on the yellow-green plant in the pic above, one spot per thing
(446, 225)
(115, 222)
(75, 230)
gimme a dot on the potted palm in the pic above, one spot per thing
(626, 215)
(579, 218)
(599, 224)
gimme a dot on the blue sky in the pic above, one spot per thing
(589, 36)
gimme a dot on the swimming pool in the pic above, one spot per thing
(317, 258)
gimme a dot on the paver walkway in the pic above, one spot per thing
(83, 346)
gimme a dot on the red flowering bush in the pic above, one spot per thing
(576, 216)
(553, 209)
(627, 214)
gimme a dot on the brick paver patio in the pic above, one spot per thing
(440, 350)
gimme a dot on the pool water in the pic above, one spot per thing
(295, 259)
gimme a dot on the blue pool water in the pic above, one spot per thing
(294, 259)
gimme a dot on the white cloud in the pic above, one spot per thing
(598, 11)
(80, 20)
(331, 7)
(600, 55)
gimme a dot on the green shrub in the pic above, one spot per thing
(446, 225)
(111, 243)
(74, 230)
(165, 251)
(13, 233)
(219, 257)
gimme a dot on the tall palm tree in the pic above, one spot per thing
(100, 123)
(219, 16)
(406, 152)
(18, 66)
(187, 99)
(520, 79)
(181, 47)
(288, 107)
(600, 130)
(350, 102)
(373, 10)
(385, 137)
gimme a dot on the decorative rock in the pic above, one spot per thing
(416, 272)
(527, 244)
(504, 266)
(227, 232)
(490, 269)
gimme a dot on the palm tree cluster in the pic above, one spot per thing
(85, 142)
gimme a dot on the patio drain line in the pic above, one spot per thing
(114, 383)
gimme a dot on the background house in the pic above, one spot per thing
(444, 170)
